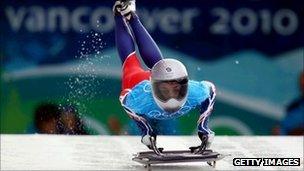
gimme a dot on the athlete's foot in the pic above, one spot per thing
(128, 8)
(117, 8)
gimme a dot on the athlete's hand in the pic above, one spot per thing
(150, 142)
(147, 140)
(206, 140)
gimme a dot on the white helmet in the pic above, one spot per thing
(169, 80)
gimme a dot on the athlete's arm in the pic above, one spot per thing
(206, 108)
(146, 129)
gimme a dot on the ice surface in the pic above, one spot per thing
(60, 152)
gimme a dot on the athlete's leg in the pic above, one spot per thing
(124, 40)
(132, 72)
(148, 49)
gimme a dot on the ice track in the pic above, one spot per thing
(60, 152)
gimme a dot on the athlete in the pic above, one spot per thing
(164, 91)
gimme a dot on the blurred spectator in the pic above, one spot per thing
(114, 125)
(46, 118)
(70, 123)
(293, 123)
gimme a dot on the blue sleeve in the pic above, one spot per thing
(205, 110)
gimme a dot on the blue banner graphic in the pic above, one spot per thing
(46, 32)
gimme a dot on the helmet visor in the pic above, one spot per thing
(166, 90)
